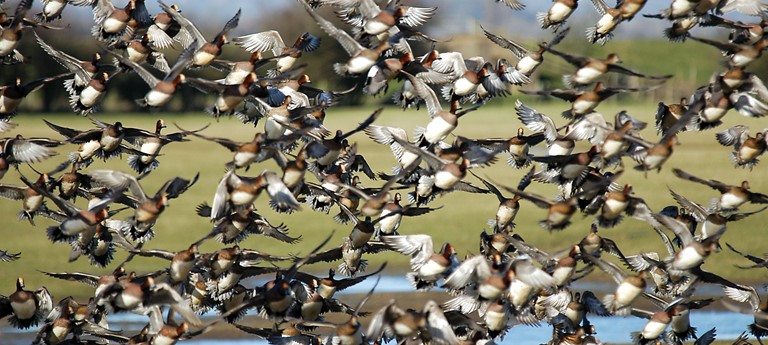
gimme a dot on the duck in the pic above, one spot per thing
(427, 266)
(429, 323)
(747, 148)
(150, 144)
(271, 40)
(83, 70)
(105, 141)
(557, 14)
(508, 207)
(558, 212)
(739, 55)
(52, 10)
(145, 295)
(18, 149)
(443, 122)
(732, 196)
(12, 95)
(205, 51)
(327, 151)
(111, 22)
(557, 144)
(590, 69)
(74, 220)
(229, 96)
(361, 58)
(628, 289)
(147, 208)
(613, 204)
(327, 287)
(241, 191)
(87, 99)
(757, 307)
(11, 35)
(610, 18)
(584, 102)
(712, 220)
(166, 31)
(139, 51)
(528, 60)
(26, 307)
(668, 114)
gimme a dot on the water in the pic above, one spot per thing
(609, 329)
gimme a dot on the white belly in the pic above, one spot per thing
(227, 103)
(431, 268)
(285, 63)
(73, 226)
(437, 129)
(202, 58)
(7, 47)
(163, 340)
(562, 275)
(26, 310)
(729, 200)
(747, 153)
(87, 150)
(242, 159)
(582, 107)
(127, 301)
(653, 329)
(687, 258)
(150, 149)
(407, 158)
(242, 198)
(8, 105)
(112, 25)
(495, 321)
(156, 98)
(612, 147)
(236, 77)
(653, 161)
(180, 270)
(488, 291)
(626, 294)
(32, 203)
(606, 24)
(53, 8)
(519, 292)
(587, 75)
(389, 224)
(527, 65)
(375, 27)
(445, 180)
(273, 128)
(680, 8)
(504, 215)
(136, 56)
(713, 114)
(558, 12)
(90, 96)
(559, 150)
(359, 64)
(463, 87)
(557, 218)
(612, 208)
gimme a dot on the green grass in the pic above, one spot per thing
(460, 220)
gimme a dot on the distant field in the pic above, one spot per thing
(461, 219)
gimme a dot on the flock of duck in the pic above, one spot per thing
(510, 282)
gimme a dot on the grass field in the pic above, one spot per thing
(460, 220)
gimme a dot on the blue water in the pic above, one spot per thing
(609, 329)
